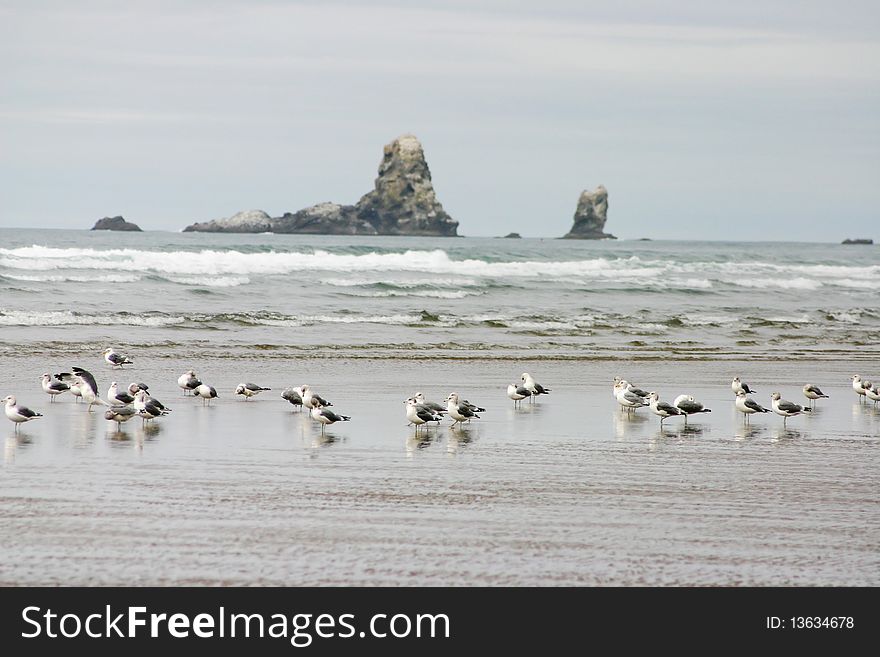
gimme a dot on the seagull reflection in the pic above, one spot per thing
(13, 442)
(624, 422)
(458, 438)
(781, 434)
(415, 443)
(118, 436)
(748, 431)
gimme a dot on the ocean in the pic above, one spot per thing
(569, 490)
(444, 297)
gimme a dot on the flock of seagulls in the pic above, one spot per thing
(123, 404)
(630, 398)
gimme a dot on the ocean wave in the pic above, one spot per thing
(72, 278)
(433, 269)
(68, 318)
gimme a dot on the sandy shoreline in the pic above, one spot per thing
(568, 492)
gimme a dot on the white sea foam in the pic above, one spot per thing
(67, 318)
(65, 278)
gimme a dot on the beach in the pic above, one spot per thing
(566, 491)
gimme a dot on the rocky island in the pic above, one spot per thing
(115, 223)
(590, 216)
(403, 202)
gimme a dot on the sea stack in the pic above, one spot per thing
(115, 223)
(403, 202)
(590, 216)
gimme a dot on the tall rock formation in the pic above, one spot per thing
(590, 216)
(402, 203)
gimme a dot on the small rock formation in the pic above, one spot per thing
(590, 216)
(323, 219)
(513, 236)
(115, 223)
(857, 241)
(402, 203)
(249, 221)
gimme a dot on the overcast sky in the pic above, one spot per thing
(747, 120)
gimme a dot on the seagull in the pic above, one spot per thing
(473, 408)
(117, 398)
(52, 387)
(873, 394)
(533, 386)
(73, 381)
(689, 406)
(312, 399)
(134, 387)
(517, 393)
(785, 408)
(431, 406)
(19, 414)
(418, 414)
(140, 402)
(188, 381)
(663, 409)
(629, 387)
(747, 405)
(120, 414)
(458, 411)
(736, 385)
(813, 393)
(860, 386)
(88, 387)
(148, 408)
(115, 359)
(627, 398)
(206, 392)
(325, 416)
(293, 396)
(249, 390)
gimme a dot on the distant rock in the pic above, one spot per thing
(249, 221)
(402, 203)
(857, 241)
(590, 216)
(515, 236)
(324, 219)
(115, 223)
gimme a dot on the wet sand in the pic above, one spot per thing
(569, 491)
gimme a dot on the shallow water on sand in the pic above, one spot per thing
(569, 491)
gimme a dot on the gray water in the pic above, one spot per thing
(569, 490)
(375, 296)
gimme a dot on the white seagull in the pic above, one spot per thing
(19, 414)
(148, 408)
(206, 392)
(533, 386)
(325, 416)
(73, 381)
(418, 414)
(459, 412)
(88, 387)
(860, 387)
(115, 359)
(249, 390)
(294, 396)
(312, 399)
(689, 406)
(627, 398)
(517, 393)
(663, 409)
(873, 394)
(117, 398)
(813, 393)
(52, 387)
(188, 382)
(736, 385)
(747, 405)
(434, 407)
(785, 408)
